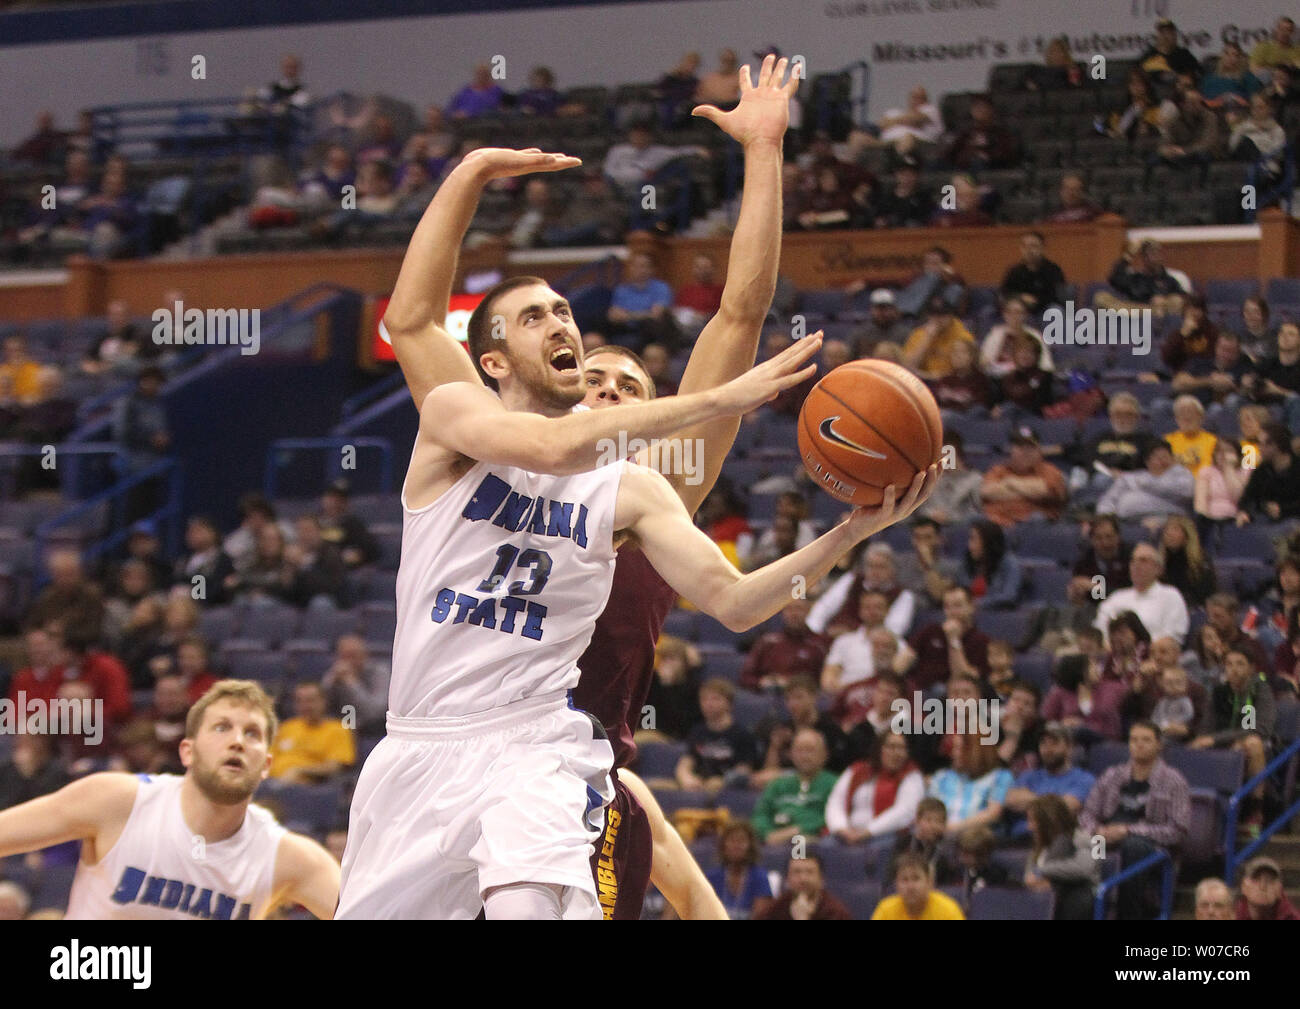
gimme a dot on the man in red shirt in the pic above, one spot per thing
(1025, 486)
(41, 677)
(105, 675)
(779, 656)
(698, 301)
(805, 897)
(955, 647)
(1262, 897)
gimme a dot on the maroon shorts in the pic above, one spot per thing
(621, 864)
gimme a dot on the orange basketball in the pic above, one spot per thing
(866, 425)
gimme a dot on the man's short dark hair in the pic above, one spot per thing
(931, 805)
(479, 330)
(257, 502)
(1025, 687)
(1237, 650)
(631, 355)
(1278, 435)
(925, 520)
(1146, 723)
(941, 252)
(911, 860)
(810, 856)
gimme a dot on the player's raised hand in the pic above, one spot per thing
(764, 109)
(864, 522)
(763, 382)
(503, 162)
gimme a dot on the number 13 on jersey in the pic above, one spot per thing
(501, 613)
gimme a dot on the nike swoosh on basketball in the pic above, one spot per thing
(830, 434)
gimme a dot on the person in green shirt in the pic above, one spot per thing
(796, 803)
(1280, 48)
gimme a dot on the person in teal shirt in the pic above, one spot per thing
(796, 803)
(1232, 83)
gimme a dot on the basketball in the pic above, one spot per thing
(866, 425)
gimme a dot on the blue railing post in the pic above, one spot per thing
(1159, 857)
(1233, 858)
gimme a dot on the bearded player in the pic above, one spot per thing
(617, 666)
(184, 847)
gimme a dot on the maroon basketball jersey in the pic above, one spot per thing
(617, 666)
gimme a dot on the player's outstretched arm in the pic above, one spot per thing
(470, 420)
(729, 343)
(306, 874)
(696, 568)
(76, 812)
(672, 867)
(417, 312)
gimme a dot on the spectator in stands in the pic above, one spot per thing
(319, 576)
(1242, 716)
(194, 666)
(1055, 775)
(171, 703)
(24, 383)
(1025, 487)
(884, 325)
(481, 97)
(309, 748)
(1162, 488)
(1258, 338)
(974, 852)
(1128, 644)
(674, 691)
(905, 204)
(805, 897)
(828, 205)
(991, 571)
(1277, 377)
(140, 427)
(432, 140)
(780, 656)
(657, 367)
(1281, 88)
(1061, 623)
(1232, 83)
(1213, 900)
(1278, 610)
(966, 207)
(358, 682)
(876, 798)
(1186, 566)
(919, 122)
(928, 348)
(698, 301)
(1035, 279)
(718, 750)
(15, 901)
(71, 598)
(43, 146)
(973, 788)
(1106, 554)
(795, 804)
(937, 278)
(852, 656)
(1062, 858)
(985, 142)
(1191, 444)
(964, 390)
(1083, 701)
(415, 190)
(776, 733)
(108, 218)
(1121, 449)
(926, 572)
(1175, 703)
(1273, 491)
(1160, 607)
(121, 345)
(1020, 724)
(675, 92)
(1262, 895)
(955, 646)
(43, 674)
(640, 310)
(1028, 389)
(328, 184)
(1165, 58)
(738, 879)
(956, 497)
(536, 213)
(1140, 280)
(722, 517)
(1251, 419)
(344, 529)
(206, 568)
(1194, 340)
(1076, 207)
(1143, 806)
(540, 97)
(1190, 133)
(1223, 613)
(916, 899)
(837, 609)
(594, 216)
(255, 513)
(1279, 49)
(635, 162)
(996, 358)
(133, 582)
(1140, 114)
(722, 87)
(270, 576)
(288, 91)
(31, 771)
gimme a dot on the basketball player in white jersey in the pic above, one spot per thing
(726, 348)
(488, 788)
(186, 846)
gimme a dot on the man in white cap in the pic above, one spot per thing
(885, 325)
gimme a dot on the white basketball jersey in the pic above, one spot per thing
(159, 869)
(500, 584)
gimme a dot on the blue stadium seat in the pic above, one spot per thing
(1057, 541)
(709, 630)
(270, 668)
(1062, 431)
(314, 808)
(1035, 667)
(826, 304)
(1105, 755)
(308, 661)
(750, 708)
(1011, 626)
(1003, 903)
(993, 433)
(739, 802)
(327, 624)
(860, 898)
(1283, 291)
(378, 586)
(683, 624)
(53, 886)
(1048, 582)
(843, 864)
(658, 760)
(670, 800)
(1217, 770)
(271, 624)
(724, 664)
(378, 622)
(705, 851)
(1230, 292)
(216, 623)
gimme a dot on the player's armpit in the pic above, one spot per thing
(80, 811)
(673, 869)
(306, 874)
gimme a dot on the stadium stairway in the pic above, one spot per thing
(1282, 848)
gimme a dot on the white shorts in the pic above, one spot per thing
(447, 808)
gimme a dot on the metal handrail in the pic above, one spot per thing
(277, 449)
(1158, 857)
(1231, 857)
(375, 391)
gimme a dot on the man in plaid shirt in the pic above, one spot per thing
(1142, 806)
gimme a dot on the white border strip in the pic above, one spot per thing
(1208, 233)
(33, 278)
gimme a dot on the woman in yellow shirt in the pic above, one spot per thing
(1192, 445)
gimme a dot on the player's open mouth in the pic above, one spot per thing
(235, 763)
(563, 359)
